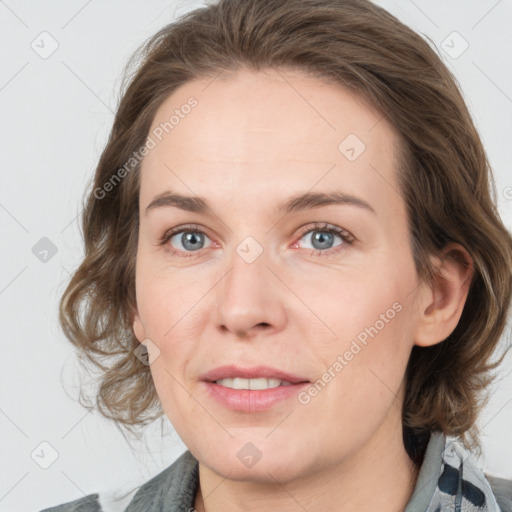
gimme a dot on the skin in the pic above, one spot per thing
(254, 140)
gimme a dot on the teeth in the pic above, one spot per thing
(255, 384)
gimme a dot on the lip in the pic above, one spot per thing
(223, 372)
(247, 400)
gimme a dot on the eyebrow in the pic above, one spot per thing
(188, 203)
(301, 202)
(316, 199)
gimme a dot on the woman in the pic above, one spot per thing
(292, 251)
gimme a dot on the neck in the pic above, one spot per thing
(379, 476)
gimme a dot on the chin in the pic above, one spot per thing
(260, 460)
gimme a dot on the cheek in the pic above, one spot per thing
(371, 320)
(171, 323)
(352, 305)
(166, 299)
(166, 308)
(364, 366)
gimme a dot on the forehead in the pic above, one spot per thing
(256, 131)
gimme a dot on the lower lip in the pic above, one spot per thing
(248, 400)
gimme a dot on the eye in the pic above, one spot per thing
(186, 239)
(325, 237)
(189, 240)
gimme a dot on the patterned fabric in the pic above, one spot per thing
(449, 481)
(461, 486)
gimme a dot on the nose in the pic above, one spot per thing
(250, 299)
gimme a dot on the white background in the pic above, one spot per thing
(55, 116)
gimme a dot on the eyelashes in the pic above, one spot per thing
(345, 237)
(187, 229)
(332, 231)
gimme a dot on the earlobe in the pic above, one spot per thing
(441, 304)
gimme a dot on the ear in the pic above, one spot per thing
(442, 302)
(138, 327)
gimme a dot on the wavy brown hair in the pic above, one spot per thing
(444, 175)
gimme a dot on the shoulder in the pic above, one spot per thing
(502, 490)
(174, 488)
(177, 484)
(89, 503)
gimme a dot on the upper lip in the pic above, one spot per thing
(255, 372)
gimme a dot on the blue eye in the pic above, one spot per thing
(322, 239)
(191, 240)
(185, 240)
(325, 237)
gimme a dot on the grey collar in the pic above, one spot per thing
(174, 489)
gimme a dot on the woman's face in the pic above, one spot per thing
(288, 265)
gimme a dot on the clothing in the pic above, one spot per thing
(449, 481)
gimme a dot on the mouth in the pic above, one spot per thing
(257, 384)
(257, 377)
(251, 389)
